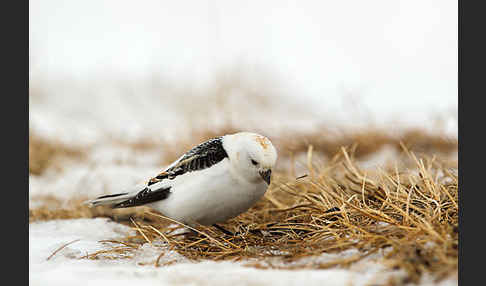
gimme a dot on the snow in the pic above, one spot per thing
(83, 180)
(102, 71)
(389, 52)
(109, 168)
(66, 267)
(130, 69)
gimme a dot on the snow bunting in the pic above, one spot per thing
(214, 181)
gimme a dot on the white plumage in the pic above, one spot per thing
(213, 182)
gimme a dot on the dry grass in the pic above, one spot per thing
(408, 214)
(413, 214)
(44, 154)
(53, 208)
(367, 142)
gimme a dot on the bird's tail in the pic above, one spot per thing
(110, 200)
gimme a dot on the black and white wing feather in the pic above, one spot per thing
(200, 157)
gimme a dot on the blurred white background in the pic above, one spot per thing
(344, 61)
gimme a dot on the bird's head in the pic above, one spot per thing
(251, 155)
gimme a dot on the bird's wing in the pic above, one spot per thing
(200, 157)
(143, 197)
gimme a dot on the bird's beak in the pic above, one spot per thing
(266, 174)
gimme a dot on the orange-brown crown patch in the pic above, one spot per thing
(262, 141)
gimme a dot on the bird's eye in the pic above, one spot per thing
(254, 162)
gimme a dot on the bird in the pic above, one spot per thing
(211, 183)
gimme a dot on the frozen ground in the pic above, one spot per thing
(65, 267)
(109, 169)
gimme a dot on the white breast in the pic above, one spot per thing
(208, 196)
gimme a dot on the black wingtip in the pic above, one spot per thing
(144, 197)
(111, 196)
